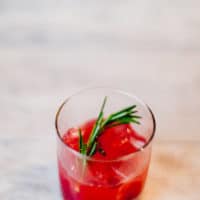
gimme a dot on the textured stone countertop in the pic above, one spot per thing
(50, 49)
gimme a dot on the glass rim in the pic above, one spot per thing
(124, 157)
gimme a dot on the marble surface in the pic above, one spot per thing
(50, 49)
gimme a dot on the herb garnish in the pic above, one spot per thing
(124, 116)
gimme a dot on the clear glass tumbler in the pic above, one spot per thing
(97, 180)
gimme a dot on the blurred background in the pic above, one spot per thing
(50, 49)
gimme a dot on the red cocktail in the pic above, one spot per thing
(118, 167)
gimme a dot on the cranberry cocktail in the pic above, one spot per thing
(106, 155)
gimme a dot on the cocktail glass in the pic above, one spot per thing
(85, 178)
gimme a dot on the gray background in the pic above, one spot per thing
(50, 49)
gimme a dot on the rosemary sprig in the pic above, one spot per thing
(82, 145)
(95, 131)
(124, 116)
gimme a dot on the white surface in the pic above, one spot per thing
(48, 50)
